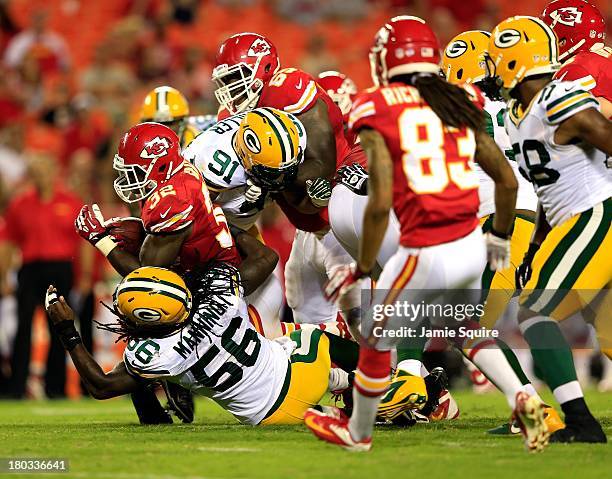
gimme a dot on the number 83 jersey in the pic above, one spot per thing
(569, 179)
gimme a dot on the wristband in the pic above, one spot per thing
(68, 334)
(106, 245)
(498, 234)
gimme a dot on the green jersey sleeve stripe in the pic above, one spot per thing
(558, 101)
(572, 109)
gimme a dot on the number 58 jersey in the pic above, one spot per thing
(569, 179)
(435, 187)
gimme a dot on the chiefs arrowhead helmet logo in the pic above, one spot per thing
(156, 148)
(259, 48)
(566, 16)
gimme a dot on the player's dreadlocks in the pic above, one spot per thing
(206, 283)
(450, 103)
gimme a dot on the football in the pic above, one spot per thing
(128, 232)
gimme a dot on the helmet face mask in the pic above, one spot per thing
(132, 183)
(245, 63)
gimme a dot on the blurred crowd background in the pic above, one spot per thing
(73, 74)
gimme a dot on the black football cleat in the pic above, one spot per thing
(180, 401)
(435, 382)
(584, 428)
(148, 408)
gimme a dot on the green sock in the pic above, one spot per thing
(412, 348)
(343, 352)
(551, 353)
(514, 362)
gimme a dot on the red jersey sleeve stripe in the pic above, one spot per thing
(362, 111)
(305, 100)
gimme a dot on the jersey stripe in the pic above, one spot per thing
(560, 104)
(367, 109)
(173, 220)
(573, 109)
(309, 93)
(553, 104)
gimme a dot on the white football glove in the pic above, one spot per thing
(319, 191)
(498, 252)
(253, 192)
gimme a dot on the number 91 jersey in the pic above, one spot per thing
(435, 187)
(568, 179)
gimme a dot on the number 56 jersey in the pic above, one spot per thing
(568, 179)
(435, 187)
(218, 354)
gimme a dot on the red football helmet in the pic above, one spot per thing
(405, 44)
(149, 154)
(341, 89)
(245, 63)
(578, 25)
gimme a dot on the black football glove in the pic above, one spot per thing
(354, 177)
(523, 272)
(319, 191)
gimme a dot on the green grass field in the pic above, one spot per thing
(103, 440)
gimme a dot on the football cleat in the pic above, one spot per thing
(405, 392)
(551, 418)
(529, 414)
(447, 409)
(331, 425)
(436, 382)
(180, 401)
(580, 429)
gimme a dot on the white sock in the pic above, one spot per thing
(362, 420)
(338, 379)
(568, 392)
(494, 365)
(412, 366)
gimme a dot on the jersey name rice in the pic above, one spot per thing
(568, 179)
(218, 355)
(526, 198)
(214, 155)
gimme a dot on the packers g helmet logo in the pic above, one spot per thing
(456, 49)
(566, 16)
(251, 141)
(147, 315)
(507, 38)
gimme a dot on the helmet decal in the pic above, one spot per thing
(251, 141)
(507, 38)
(156, 148)
(147, 315)
(566, 16)
(259, 48)
(456, 49)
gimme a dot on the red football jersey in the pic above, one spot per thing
(435, 188)
(593, 69)
(183, 201)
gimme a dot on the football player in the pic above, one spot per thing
(412, 113)
(560, 140)
(342, 90)
(463, 61)
(168, 106)
(581, 33)
(200, 337)
(184, 230)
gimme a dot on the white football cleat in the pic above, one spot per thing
(529, 415)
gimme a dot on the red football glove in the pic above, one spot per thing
(90, 226)
(342, 281)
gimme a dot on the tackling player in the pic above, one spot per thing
(463, 61)
(581, 33)
(560, 140)
(421, 135)
(200, 337)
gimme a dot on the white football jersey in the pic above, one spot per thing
(568, 179)
(218, 354)
(526, 198)
(213, 154)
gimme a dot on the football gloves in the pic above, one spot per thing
(354, 177)
(498, 251)
(90, 226)
(343, 281)
(319, 191)
(523, 272)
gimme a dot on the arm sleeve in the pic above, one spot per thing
(171, 213)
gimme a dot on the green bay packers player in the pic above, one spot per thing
(463, 61)
(168, 106)
(200, 337)
(560, 140)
